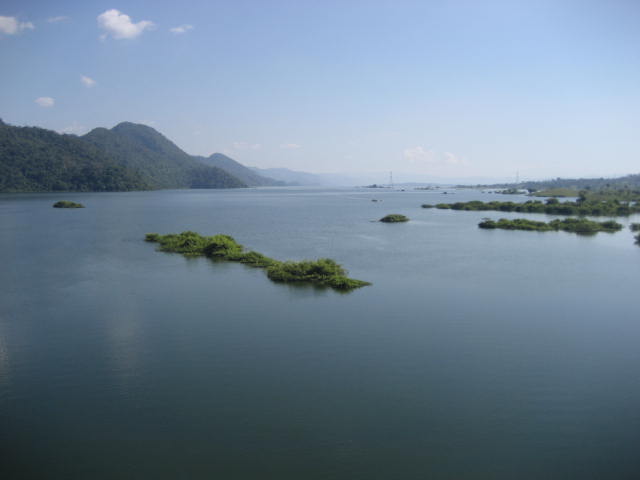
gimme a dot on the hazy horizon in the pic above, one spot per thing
(444, 90)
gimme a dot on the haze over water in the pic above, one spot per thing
(475, 354)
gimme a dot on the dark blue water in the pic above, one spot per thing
(474, 355)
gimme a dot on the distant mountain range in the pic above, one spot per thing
(128, 156)
(245, 174)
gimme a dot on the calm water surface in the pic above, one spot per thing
(475, 354)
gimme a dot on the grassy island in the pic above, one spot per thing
(394, 218)
(324, 271)
(67, 204)
(583, 206)
(576, 225)
(635, 227)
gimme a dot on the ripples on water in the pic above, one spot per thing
(474, 354)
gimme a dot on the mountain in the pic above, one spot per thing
(290, 177)
(160, 162)
(246, 175)
(34, 159)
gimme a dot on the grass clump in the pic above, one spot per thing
(394, 218)
(576, 225)
(635, 227)
(67, 204)
(324, 271)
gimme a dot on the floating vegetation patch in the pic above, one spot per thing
(67, 204)
(394, 218)
(576, 225)
(324, 271)
(552, 206)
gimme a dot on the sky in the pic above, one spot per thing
(433, 88)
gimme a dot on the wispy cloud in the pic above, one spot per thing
(11, 25)
(75, 129)
(179, 30)
(419, 154)
(119, 26)
(289, 146)
(45, 101)
(423, 156)
(246, 146)
(61, 18)
(87, 81)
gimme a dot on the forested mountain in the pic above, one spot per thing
(160, 161)
(37, 160)
(239, 171)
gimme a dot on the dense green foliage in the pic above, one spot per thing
(244, 174)
(583, 206)
(324, 271)
(161, 163)
(427, 205)
(38, 160)
(67, 204)
(575, 225)
(394, 218)
(635, 227)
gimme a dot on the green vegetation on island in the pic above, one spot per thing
(556, 192)
(324, 271)
(576, 225)
(394, 218)
(635, 227)
(582, 206)
(67, 204)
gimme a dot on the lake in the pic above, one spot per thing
(475, 354)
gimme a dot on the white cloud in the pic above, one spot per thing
(120, 26)
(11, 25)
(289, 146)
(75, 128)
(57, 19)
(421, 156)
(87, 81)
(451, 159)
(181, 29)
(246, 146)
(45, 101)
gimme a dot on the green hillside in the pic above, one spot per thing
(161, 163)
(37, 160)
(239, 171)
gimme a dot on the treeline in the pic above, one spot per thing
(324, 271)
(625, 182)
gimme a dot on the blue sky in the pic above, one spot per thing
(438, 88)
